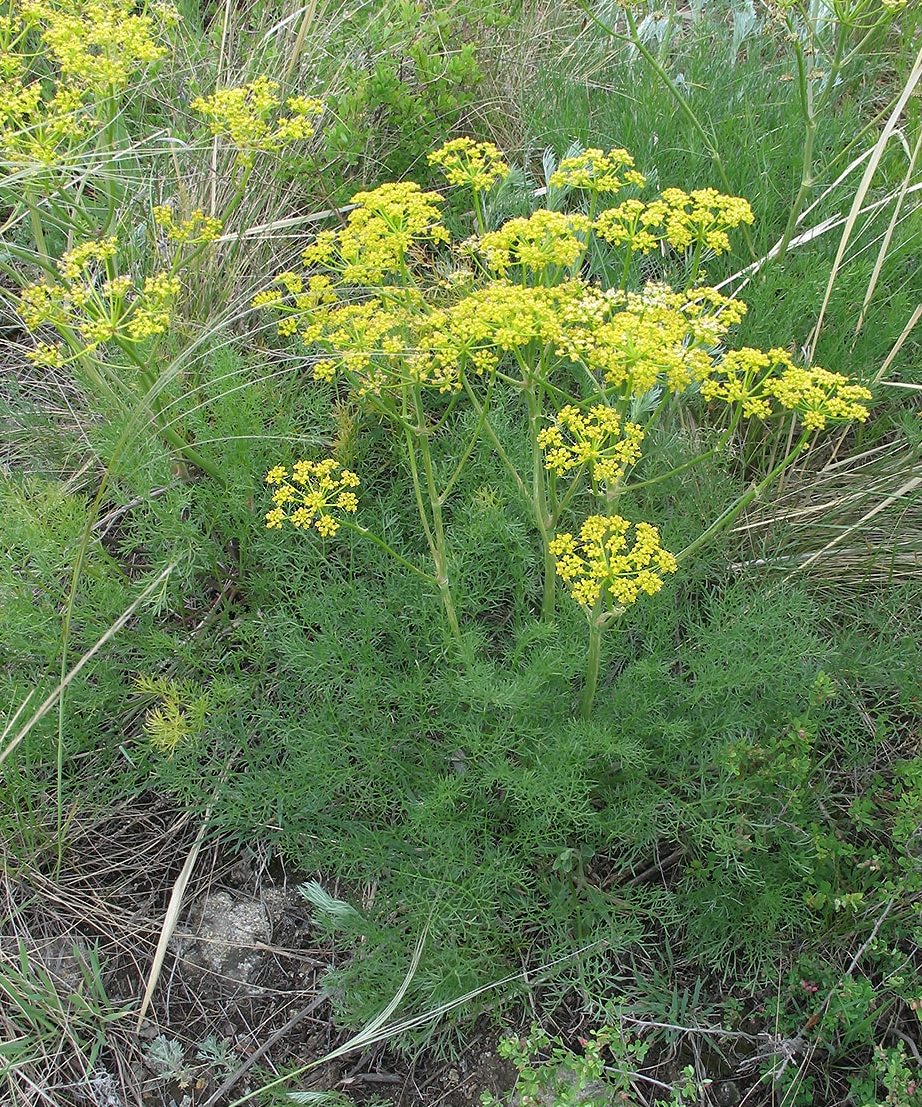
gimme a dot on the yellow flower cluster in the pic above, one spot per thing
(704, 216)
(36, 130)
(603, 566)
(596, 171)
(761, 382)
(595, 439)
(91, 300)
(543, 242)
(637, 341)
(195, 229)
(634, 341)
(634, 224)
(681, 219)
(380, 231)
(77, 261)
(98, 43)
(248, 117)
(479, 165)
(310, 493)
(405, 325)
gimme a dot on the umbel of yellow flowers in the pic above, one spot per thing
(54, 97)
(603, 564)
(253, 118)
(312, 494)
(92, 301)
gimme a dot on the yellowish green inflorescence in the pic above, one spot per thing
(312, 494)
(681, 220)
(763, 383)
(254, 118)
(596, 440)
(605, 566)
(547, 242)
(598, 171)
(100, 43)
(93, 301)
(477, 165)
(194, 229)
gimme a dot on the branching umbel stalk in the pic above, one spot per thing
(539, 497)
(429, 505)
(590, 370)
(599, 618)
(593, 659)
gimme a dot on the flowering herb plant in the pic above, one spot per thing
(410, 322)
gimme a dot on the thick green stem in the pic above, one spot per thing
(733, 512)
(593, 657)
(626, 268)
(696, 264)
(811, 113)
(543, 515)
(496, 443)
(433, 523)
(806, 170)
(479, 213)
(108, 160)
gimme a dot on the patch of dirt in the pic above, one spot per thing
(240, 995)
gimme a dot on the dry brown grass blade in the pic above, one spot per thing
(898, 345)
(857, 519)
(888, 235)
(870, 169)
(906, 489)
(170, 920)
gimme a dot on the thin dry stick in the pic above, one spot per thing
(310, 11)
(257, 1055)
(222, 54)
(910, 486)
(891, 227)
(171, 918)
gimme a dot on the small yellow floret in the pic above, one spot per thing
(479, 165)
(597, 171)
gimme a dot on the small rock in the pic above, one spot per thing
(226, 934)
